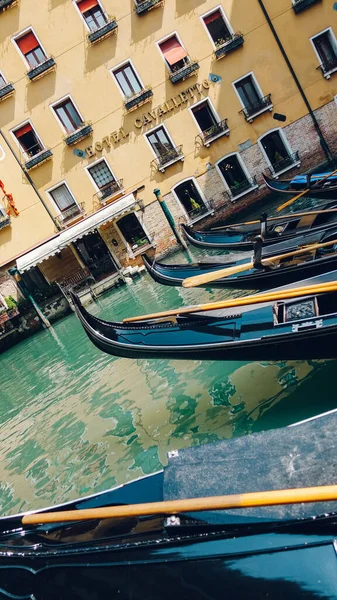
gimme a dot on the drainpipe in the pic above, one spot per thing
(21, 285)
(322, 140)
(169, 218)
(30, 181)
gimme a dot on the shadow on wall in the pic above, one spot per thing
(42, 175)
(41, 90)
(10, 23)
(100, 53)
(54, 4)
(143, 28)
(6, 234)
(186, 6)
(7, 111)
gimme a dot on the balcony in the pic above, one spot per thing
(108, 191)
(144, 6)
(76, 136)
(187, 71)
(243, 187)
(279, 167)
(328, 67)
(71, 214)
(42, 69)
(103, 32)
(38, 159)
(257, 108)
(138, 99)
(5, 220)
(213, 133)
(4, 4)
(168, 158)
(299, 5)
(6, 91)
(205, 209)
(224, 47)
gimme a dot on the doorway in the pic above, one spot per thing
(96, 256)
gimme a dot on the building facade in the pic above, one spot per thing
(104, 101)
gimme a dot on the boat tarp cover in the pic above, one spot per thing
(317, 176)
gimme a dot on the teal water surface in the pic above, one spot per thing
(74, 421)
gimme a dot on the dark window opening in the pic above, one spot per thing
(132, 231)
(204, 116)
(37, 285)
(327, 50)
(234, 175)
(276, 150)
(28, 140)
(190, 198)
(96, 256)
(217, 28)
(248, 92)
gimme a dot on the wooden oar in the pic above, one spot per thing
(191, 282)
(305, 191)
(281, 218)
(326, 493)
(244, 301)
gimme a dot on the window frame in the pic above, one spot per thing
(153, 130)
(50, 197)
(57, 103)
(4, 78)
(212, 108)
(120, 66)
(334, 44)
(202, 195)
(21, 34)
(225, 18)
(84, 20)
(131, 253)
(164, 39)
(93, 164)
(288, 147)
(14, 129)
(245, 170)
(259, 89)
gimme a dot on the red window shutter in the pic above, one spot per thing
(25, 129)
(213, 17)
(85, 5)
(27, 42)
(173, 50)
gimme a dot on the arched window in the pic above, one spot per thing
(235, 175)
(191, 198)
(133, 232)
(277, 152)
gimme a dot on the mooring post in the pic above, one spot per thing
(170, 218)
(21, 285)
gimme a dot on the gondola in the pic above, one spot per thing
(277, 273)
(326, 189)
(274, 230)
(283, 551)
(304, 328)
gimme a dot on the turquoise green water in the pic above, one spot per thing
(74, 421)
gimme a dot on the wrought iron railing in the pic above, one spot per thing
(38, 158)
(204, 208)
(82, 132)
(299, 5)
(42, 69)
(228, 44)
(213, 132)
(242, 186)
(328, 66)
(75, 279)
(186, 71)
(110, 189)
(168, 157)
(284, 163)
(5, 220)
(6, 4)
(6, 90)
(255, 108)
(71, 213)
(143, 6)
(140, 98)
(103, 31)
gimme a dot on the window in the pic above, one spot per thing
(31, 49)
(234, 174)
(104, 179)
(217, 27)
(68, 115)
(204, 116)
(28, 140)
(128, 80)
(190, 197)
(3, 81)
(326, 49)
(174, 53)
(278, 152)
(63, 199)
(92, 14)
(251, 97)
(160, 143)
(133, 232)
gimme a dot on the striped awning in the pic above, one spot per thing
(66, 237)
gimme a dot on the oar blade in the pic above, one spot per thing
(197, 280)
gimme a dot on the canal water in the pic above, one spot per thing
(74, 421)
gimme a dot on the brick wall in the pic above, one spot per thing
(8, 286)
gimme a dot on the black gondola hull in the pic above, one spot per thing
(325, 191)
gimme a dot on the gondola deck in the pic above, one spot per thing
(319, 187)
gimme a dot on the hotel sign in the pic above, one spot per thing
(151, 117)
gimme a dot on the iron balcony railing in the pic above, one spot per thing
(6, 4)
(143, 6)
(284, 163)
(138, 99)
(228, 44)
(186, 71)
(299, 5)
(110, 189)
(6, 91)
(168, 157)
(38, 158)
(42, 69)
(328, 66)
(242, 186)
(104, 31)
(5, 220)
(71, 213)
(76, 279)
(255, 108)
(82, 132)
(205, 208)
(212, 133)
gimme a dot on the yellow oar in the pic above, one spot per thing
(327, 493)
(304, 192)
(245, 301)
(191, 282)
(282, 218)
